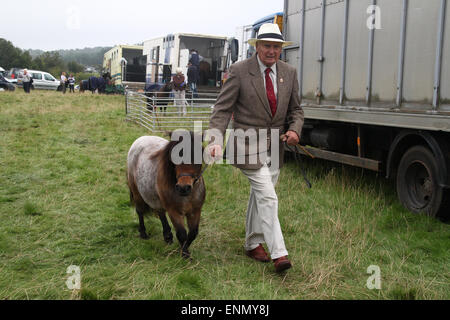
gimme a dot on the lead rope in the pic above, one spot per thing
(201, 173)
(298, 160)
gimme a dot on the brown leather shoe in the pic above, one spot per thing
(258, 254)
(281, 264)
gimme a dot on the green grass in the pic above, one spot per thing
(64, 201)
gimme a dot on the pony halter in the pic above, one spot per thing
(196, 177)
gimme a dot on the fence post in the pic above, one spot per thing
(126, 102)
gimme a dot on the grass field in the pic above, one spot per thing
(64, 201)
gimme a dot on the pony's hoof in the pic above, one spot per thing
(144, 236)
(168, 239)
(186, 255)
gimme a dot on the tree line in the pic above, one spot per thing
(54, 62)
(87, 56)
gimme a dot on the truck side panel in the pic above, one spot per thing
(386, 51)
(380, 74)
(332, 51)
(310, 52)
(420, 51)
(357, 53)
(445, 85)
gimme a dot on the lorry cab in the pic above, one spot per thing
(251, 31)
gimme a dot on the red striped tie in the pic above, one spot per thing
(270, 92)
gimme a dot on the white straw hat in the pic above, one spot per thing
(179, 70)
(269, 32)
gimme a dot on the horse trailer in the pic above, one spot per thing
(126, 64)
(165, 54)
(375, 86)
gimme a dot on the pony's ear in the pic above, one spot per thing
(171, 145)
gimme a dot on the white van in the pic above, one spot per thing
(41, 80)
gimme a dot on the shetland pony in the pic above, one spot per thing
(158, 184)
(161, 95)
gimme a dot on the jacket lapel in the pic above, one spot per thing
(258, 84)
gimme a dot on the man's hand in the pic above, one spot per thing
(291, 138)
(215, 151)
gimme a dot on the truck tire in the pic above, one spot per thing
(417, 184)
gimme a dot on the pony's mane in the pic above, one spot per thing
(165, 160)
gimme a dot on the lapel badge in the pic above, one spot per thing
(281, 80)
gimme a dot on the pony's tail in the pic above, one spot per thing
(132, 203)
(131, 199)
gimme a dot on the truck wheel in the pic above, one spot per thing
(417, 185)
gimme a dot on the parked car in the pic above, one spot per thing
(13, 74)
(41, 80)
(5, 84)
(2, 71)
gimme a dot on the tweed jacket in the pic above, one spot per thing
(244, 96)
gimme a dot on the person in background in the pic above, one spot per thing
(26, 81)
(71, 83)
(192, 74)
(195, 58)
(179, 90)
(63, 82)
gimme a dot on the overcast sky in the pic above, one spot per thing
(56, 24)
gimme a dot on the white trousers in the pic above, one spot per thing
(180, 101)
(262, 224)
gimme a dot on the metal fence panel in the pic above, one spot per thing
(159, 114)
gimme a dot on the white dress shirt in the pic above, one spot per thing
(272, 75)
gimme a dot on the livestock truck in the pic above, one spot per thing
(165, 54)
(375, 86)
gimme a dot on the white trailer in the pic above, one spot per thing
(126, 65)
(165, 54)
